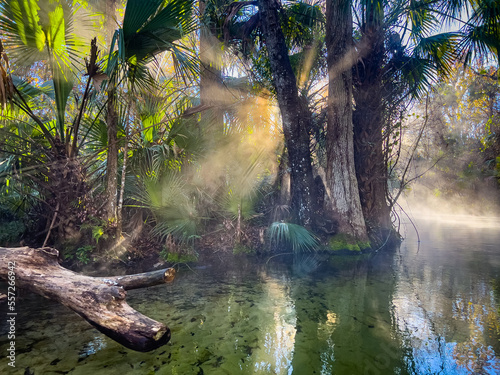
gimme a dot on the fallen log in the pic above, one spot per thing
(142, 280)
(100, 301)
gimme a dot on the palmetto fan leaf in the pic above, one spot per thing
(479, 40)
(44, 30)
(303, 22)
(417, 73)
(149, 29)
(171, 203)
(440, 49)
(421, 17)
(480, 33)
(292, 235)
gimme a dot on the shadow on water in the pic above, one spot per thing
(432, 309)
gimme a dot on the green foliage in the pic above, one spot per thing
(149, 29)
(292, 236)
(82, 254)
(178, 257)
(172, 204)
(497, 168)
(39, 30)
(96, 227)
(10, 232)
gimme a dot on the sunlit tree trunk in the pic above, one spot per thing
(293, 118)
(112, 134)
(343, 195)
(112, 160)
(368, 119)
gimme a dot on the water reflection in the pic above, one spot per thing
(278, 329)
(428, 309)
(444, 302)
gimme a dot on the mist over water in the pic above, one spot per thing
(425, 308)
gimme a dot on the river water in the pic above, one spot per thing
(429, 307)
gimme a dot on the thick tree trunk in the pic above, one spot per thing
(342, 187)
(368, 119)
(100, 301)
(294, 120)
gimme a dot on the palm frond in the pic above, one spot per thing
(171, 203)
(421, 17)
(137, 12)
(44, 30)
(440, 49)
(30, 92)
(292, 235)
(478, 41)
(302, 22)
(158, 31)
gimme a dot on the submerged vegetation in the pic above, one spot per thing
(168, 128)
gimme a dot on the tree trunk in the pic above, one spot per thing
(100, 301)
(368, 119)
(211, 87)
(112, 160)
(142, 280)
(293, 118)
(341, 181)
(112, 124)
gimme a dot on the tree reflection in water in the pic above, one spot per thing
(432, 309)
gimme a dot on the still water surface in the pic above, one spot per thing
(428, 308)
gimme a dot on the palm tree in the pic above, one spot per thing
(147, 30)
(388, 74)
(293, 115)
(479, 26)
(44, 120)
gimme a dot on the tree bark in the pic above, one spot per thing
(368, 119)
(143, 280)
(342, 187)
(100, 301)
(293, 118)
(112, 159)
(112, 126)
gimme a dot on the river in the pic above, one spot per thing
(429, 307)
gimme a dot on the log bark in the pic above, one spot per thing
(142, 280)
(100, 301)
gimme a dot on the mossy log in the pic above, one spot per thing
(99, 300)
